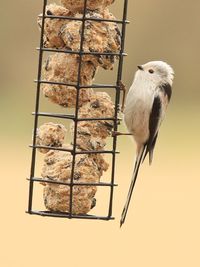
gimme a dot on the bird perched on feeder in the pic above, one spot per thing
(145, 108)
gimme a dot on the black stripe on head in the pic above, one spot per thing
(167, 89)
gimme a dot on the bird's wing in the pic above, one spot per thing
(160, 102)
(153, 127)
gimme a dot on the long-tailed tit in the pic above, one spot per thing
(145, 108)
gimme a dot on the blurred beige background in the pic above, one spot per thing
(162, 227)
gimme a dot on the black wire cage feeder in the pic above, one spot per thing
(116, 88)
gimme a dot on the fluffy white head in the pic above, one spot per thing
(158, 72)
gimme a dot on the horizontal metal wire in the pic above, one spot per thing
(80, 86)
(80, 52)
(69, 216)
(76, 152)
(49, 181)
(71, 117)
(81, 19)
(54, 115)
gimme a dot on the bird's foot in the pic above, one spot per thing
(115, 133)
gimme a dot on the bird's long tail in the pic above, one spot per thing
(132, 185)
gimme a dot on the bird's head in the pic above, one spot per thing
(158, 72)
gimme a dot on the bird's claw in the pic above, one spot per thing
(115, 133)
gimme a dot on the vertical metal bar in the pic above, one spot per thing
(77, 107)
(32, 173)
(117, 101)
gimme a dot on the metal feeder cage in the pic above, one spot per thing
(32, 180)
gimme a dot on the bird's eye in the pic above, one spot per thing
(151, 71)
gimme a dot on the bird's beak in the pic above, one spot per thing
(140, 67)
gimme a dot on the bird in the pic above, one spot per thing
(145, 107)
